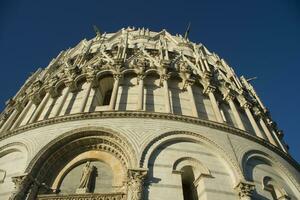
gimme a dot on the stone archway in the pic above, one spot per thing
(257, 164)
(155, 155)
(48, 163)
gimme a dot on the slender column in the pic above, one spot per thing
(22, 115)
(257, 131)
(192, 98)
(3, 119)
(279, 141)
(206, 64)
(113, 99)
(209, 91)
(40, 108)
(86, 95)
(164, 79)
(62, 102)
(202, 65)
(229, 98)
(10, 120)
(140, 92)
(135, 183)
(245, 190)
(267, 131)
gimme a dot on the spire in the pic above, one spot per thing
(186, 34)
(97, 31)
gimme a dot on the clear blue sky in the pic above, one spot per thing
(257, 38)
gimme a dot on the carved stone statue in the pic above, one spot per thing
(85, 180)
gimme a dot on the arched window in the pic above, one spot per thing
(106, 99)
(193, 177)
(188, 187)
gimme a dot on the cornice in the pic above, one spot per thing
(151, 115)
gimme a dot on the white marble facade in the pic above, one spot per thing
(159, 117)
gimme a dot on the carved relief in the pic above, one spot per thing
(135, 183)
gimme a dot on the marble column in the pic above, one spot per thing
(202, 65)
(164, 79)
(22, 115)
(86, 95)
(254, 125)
(229, 98)
(135, 183)
(40, 108)
(140, 101)
(279, 141)
(62, 101)
(267, 131)
(189, 88)
(206, 64)
(10, 120)
(209, 91)
(3, 119)
(114, 94)
(245, 190)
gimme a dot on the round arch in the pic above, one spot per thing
(75, 134)
(269, 160)
(62, 149)
(168, 137)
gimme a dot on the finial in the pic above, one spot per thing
(96, 29)
(187, 31)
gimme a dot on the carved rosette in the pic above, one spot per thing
(245, 190)
(135, 183)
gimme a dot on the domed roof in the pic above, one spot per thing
(142, 52)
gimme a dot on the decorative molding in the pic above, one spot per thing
(151, 115)
(135, 183)
(245, 189)
(94, 196)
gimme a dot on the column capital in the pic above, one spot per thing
(258, 112)
(53, 80)
(135, 183)
(246, 105)
(36, 86)
(19, 106)
(117, 76)
(229, 96)
(22, 183)
(245, 189)
(137, 173)
(163, 77)
(140, 77)
(187, 82)
(209, 89)
(35, 98)
(4, 116)
(71, 84)
(51, 90)
(91, 78)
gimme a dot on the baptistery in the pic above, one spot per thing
(141, 115)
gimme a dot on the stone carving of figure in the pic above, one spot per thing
(85, 180)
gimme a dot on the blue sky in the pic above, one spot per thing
(257, 38)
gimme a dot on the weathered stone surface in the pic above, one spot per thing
(156, 116)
